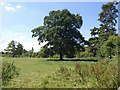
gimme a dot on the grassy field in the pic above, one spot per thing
(39, 72)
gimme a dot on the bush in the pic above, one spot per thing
(6, 55)
(56, 56)
(34, 54)
(110, 47)
(84, 54)
(9, 71)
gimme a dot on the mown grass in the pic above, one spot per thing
(38, 72)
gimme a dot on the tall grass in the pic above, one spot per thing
(100, 75)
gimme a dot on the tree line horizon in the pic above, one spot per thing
(61, 32)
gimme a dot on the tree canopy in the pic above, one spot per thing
(61, 32)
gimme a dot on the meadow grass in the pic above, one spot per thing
(100, 75)
(39, 72)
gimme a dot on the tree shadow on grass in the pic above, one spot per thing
(74, 59)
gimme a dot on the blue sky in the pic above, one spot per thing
(19, 18)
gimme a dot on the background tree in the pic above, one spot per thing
(109, 14)
(61, 32)
(11, 49)
(14, 48)
(110, 47)
(108, 18)
(93, 41)
(19, 49)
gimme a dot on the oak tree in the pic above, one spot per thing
(61, 32)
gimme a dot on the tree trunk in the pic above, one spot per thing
(13, 55)
(61, 58)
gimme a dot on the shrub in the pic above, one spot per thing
(110, 47)
(56, 56)
(9, 71)
(34, 54)
(84, 54)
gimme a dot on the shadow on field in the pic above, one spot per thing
(70, 59)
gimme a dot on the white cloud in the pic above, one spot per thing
(8, 4)
(3, 45)
(18, 6)
(8, 7)
(2, 4)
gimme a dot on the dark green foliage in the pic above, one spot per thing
(60, 32)
(9, 71)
